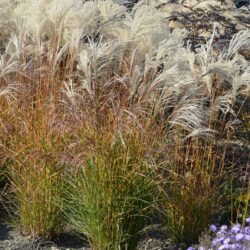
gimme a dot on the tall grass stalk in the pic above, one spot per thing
(32, 149)
(37, 187)
(110, 196)
(193, 187)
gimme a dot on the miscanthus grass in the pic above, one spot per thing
(105, 115)
(34, 172)
(194, 185)
(109, 197)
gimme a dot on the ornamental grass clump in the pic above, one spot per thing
(197, 178)
(111, 195)
(37, 188)
(114, 101)
(32, 140)
(35, 174)
(193, 183)
(31, 132)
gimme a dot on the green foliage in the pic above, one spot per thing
(37, 188)
(109, 198)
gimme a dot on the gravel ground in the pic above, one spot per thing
(10, 239)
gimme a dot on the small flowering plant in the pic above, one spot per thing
(237, 238)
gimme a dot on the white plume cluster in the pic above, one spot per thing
(111, 45)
